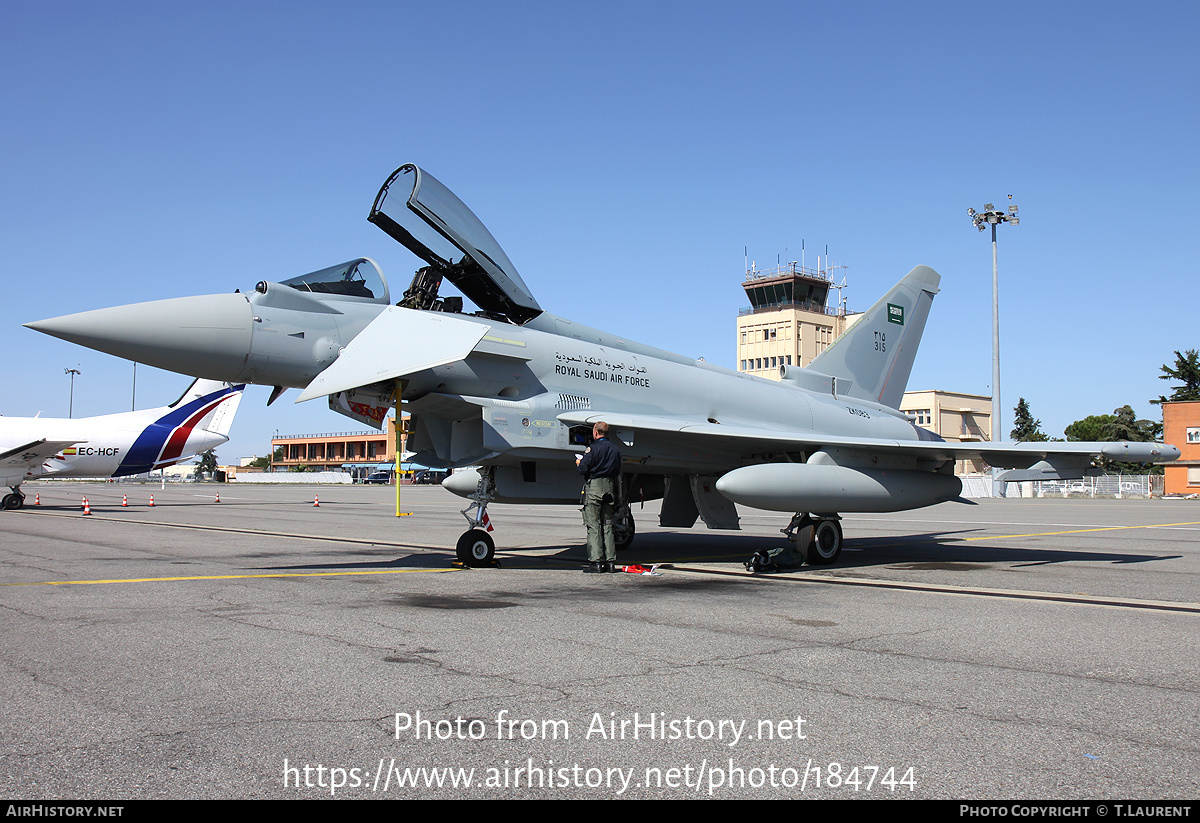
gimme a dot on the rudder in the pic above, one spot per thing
(876, 354)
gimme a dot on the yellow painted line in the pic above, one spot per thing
(226, 577)
(1075, 531)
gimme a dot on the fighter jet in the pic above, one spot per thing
(115, 445)
(514, 390)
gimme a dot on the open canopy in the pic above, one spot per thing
(438, 227)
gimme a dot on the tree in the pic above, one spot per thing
(1186, 371)
(1093, 428)
(1025, 428)
(1122, 424)
(1126, 426)
(208, 463)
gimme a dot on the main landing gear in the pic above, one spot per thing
(13, 501)
(623, 528)
(476, 547)
(818, 536)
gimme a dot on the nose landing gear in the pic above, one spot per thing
(475, 547)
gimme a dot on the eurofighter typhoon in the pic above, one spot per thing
(514, 390)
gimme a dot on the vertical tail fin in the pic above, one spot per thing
(876, 353)
(198, 420)
(222, 416)
(215, 402)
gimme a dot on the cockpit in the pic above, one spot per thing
(358, 278)
(438, 227)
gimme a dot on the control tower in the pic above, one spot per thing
(789, 321)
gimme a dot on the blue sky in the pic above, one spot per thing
(155, 150)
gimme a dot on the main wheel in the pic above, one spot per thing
(13, 501)
(826, 544)
(476, 548)
(624, 532)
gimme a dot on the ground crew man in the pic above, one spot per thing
(600, 466)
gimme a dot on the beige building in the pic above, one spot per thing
(953, 416)
(789, 323)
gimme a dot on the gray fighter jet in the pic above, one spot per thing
(514, 390)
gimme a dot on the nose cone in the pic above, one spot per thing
(206, 336)
(462, 483)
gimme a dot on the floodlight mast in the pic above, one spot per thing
(71, 402)
(994, 217)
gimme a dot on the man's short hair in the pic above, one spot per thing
(601, 428)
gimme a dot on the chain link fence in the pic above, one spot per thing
(1115, 486)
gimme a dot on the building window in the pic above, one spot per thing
(1193, 475)
(1193, 434)
(924, 416)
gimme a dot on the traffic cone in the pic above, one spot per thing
(316, 501)
(86, 508)
(218, 500)
(37, 499)
(124, 501)
(152, 500)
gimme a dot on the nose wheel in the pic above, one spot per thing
(13, 501)
(476, 548)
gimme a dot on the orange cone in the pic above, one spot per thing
(316, 501)
(151, 500)
(218, 500)
(37, 499)
(125, 501)
(86, 508)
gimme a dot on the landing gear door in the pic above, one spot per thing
(438, 227)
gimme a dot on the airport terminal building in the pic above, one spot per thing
(359, 453)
